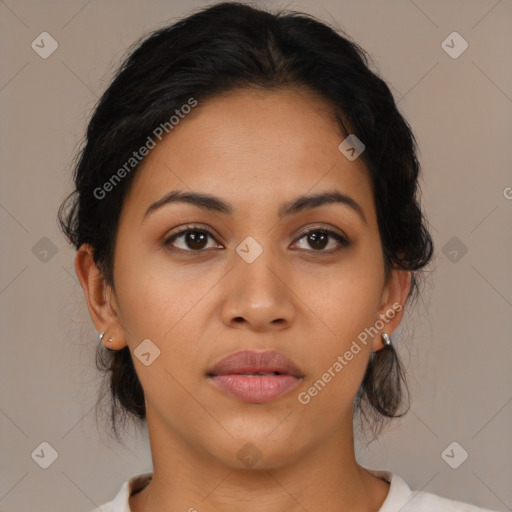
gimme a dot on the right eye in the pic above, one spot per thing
(192, 239)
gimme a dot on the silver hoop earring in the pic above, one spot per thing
(386, 339)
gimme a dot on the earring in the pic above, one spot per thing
(386, 339)
(100, 339)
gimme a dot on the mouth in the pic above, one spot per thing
(255, 377)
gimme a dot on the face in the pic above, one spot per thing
(252, 274)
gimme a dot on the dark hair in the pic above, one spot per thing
(219, 49)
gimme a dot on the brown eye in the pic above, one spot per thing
(318, 240)
(191, 239)
(194, 239)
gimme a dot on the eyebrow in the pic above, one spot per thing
(293, 207)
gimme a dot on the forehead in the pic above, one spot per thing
(252, 146)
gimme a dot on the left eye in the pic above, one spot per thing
(318, 239)
(195, 239)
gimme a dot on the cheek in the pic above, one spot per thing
(347, 297)
(346, 307)
(158, 305)
(162, 303)
(153, 294)
(339, 358)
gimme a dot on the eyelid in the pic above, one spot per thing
(326, 228)
(189, 227)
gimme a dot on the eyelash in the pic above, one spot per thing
(195, 229)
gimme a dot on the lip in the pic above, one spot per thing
(240, 375)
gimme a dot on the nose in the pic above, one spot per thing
(258, 295)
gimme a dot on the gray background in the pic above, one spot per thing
(458, 349)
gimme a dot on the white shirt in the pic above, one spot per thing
(400, 497)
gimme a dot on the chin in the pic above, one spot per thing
(258, 451)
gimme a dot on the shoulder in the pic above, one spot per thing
(121, 501)
(402, 497)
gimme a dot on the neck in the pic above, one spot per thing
(327, 478)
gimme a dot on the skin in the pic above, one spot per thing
(256, 150)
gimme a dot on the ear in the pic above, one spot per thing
(100, 298)
(391, 310)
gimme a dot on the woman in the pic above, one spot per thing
(248, 233)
